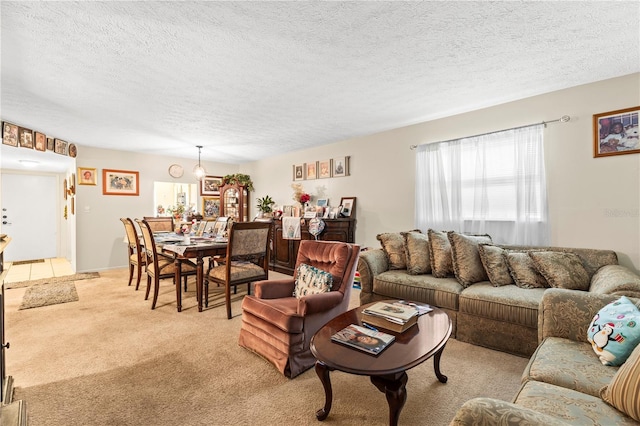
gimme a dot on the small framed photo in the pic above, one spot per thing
(324, 169)
(348, 206)
(60, 147)
(312, 170)
(220, 226)
(87, 176)
(73, 150)
(287, 210)
(51, 146)
(340, 167)
(9, 134)
(210, 207)
(298, 172)
(616, 132)
(25, 136)
(210, 185)
(120, 182)
(322, 202)
(41, 141)
(335, 212)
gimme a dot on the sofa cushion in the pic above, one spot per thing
(393, 246)
(416, 247)
(495, 264)
(523, 270)
(617, 280)
(440, 254)
(624, 390)
(615, 331)
(568, 364)
(441, 292)
(561, 270)
(576, 408)
(311, 280)
(509, 303)
(465, 256)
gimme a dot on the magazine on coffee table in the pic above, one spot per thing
(364, 339)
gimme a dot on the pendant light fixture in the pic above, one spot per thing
(198, 171)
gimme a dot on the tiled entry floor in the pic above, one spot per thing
(54, 267)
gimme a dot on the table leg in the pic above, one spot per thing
(323, 373)
(178, 275)
(394, 388)
(436, 366)
(199, 281)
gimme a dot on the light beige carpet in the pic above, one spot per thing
(64, 278)
(49, 294)
(110, 360)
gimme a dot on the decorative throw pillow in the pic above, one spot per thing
(561, 270)
(416, 247)
(614, 331)
(311, 280)
(440, 254)
(624, 390)
(495, 264)
(393, 246)
(523, 271)
(465, 256)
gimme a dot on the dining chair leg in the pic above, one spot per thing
(156, 288)
(206, 293)
(139, 277)
(130, 273)
(228, 300)
(146, 295)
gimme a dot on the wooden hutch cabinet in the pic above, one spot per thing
(285, 252)
(234, 202)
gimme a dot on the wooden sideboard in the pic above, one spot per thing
(285, 252)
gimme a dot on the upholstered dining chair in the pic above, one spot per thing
(246, 261)
(160, 224)
(278, 325)
(160, 266)
(137, 257)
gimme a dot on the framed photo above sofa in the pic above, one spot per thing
(616, 132)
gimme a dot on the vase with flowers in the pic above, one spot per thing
(299, 195)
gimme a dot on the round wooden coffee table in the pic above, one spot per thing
(388, 370)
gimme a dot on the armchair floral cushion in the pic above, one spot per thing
(311, 280)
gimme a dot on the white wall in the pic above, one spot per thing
(99, 231)
(594, 202)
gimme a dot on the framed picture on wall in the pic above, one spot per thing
(25, 136)
(50, 144)
(312, 170)
(210, 207)
(87, 176)
(340, 166)
(60, 147)
(9, 134)
(616, 132)
(210, 185)
(41, 141)
(324, 169)
(298, 172)
(120, 182)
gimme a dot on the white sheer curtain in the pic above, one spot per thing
(490, 184)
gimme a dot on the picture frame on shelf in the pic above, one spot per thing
(210, 207)
(41, 141)
(120, 182)
(616, 132)
(220, 226)
(298, 172)
(311, 170)
(51, 146)
(25, 137)
(60, 147)
(87, 176)
(340, 167)
(335, 212)
(322, 202)
(9, 134)
(324, 169)
(348, 206)
(210, 185)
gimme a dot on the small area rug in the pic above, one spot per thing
(49, 294)
(54, 280)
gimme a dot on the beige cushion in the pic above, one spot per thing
(311, 280)
(440, 254)
(624, 390)
(523, 271)
(467, 265)
(495, 265)
(416, 247)
(239, 271)
(393, 246)
(561, 270)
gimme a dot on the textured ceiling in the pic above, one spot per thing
(249, 80)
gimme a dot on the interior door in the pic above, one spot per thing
(29, 216)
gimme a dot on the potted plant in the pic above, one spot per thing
(265, 205)
(239, 178)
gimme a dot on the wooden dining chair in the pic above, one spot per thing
(136, 255)
(246, 261)
(160, 224)
(160, 266)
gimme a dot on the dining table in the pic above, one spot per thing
(194, 248)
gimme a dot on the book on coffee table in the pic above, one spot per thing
(398, 313)
(381, 322)
(364, 339)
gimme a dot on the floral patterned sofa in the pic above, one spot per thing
(490, 292)
(565, 382)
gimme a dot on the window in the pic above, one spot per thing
(493, 183)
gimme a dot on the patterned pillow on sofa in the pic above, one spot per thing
(624, 390)
(523, 271)
(615, 331)
(416, 247)
(561, 270)
(495, 264)
(393, 247)
(465, 257)
(440, 254)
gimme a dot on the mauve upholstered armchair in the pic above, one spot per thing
(278, 326)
